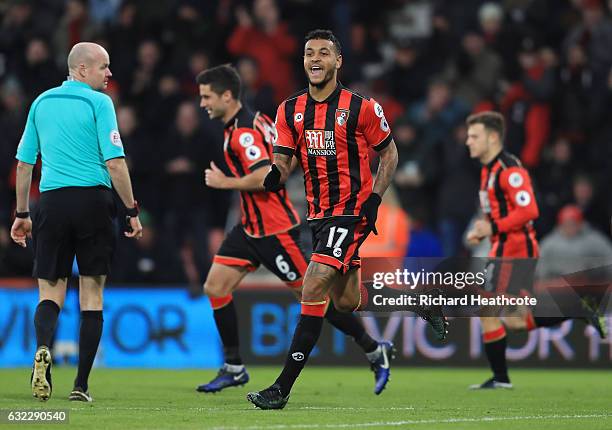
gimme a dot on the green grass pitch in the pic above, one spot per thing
(326, 398)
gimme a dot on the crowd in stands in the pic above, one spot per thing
(545, 64)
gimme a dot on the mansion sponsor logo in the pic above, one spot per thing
(320, 143)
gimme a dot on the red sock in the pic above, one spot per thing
(219, 302)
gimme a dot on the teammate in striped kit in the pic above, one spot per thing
(509, 204)
(267, 233)
(330, 129)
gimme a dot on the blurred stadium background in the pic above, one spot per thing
(546, 64)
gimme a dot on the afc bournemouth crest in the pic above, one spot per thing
(342, 116)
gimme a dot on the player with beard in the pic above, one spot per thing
(330, 129)
(268, 233)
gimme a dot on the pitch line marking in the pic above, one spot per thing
(407, 422)
(200, 409)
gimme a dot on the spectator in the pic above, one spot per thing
(12, 117)
(407, 78)
(257, 97)
(185, 198)
(266, 38)
(415, 173)
(593, 208)
(594, 33)
(75, 26)
(144, 78)
(39, 72)
(554, 178)
(476, 71)
(438, 114)
(458, 178)
(526, 105)
(142, 158)
(150, 260)
(576, 89)
(21, 23)
(123, 39)
(573, 246)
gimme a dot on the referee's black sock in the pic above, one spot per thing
(305, 338)
(89, 339)
(45, 321)
(227, 325)
(350, 325)
(496, 354)
(548, 321)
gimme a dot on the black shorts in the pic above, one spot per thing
(510, 275)
(336, 241)
(281, 253)
(73, 221)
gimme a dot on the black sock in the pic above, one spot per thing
(45, 321)
(305, 338)
(496, 354)
(89, 339)
(227, 325)
(350, 325)
(548, 321)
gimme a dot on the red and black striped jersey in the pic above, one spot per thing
(331, 140)
(507, 198)
(248, 146)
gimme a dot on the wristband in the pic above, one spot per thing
(25, 214)
(133, 212)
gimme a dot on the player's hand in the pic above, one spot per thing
(272, 181)
(21, 229)
(369, 210)
(472, 238)
(482, 228)
(214, 177)
(134, 228)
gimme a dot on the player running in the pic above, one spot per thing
(267, 233)
(330, 129)
(510, 207)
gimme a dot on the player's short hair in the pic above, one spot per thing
(492, 121)
(324, 35)
(221, 79)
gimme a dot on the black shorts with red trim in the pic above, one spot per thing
(281, 253)
(510, 275)
(336, 241)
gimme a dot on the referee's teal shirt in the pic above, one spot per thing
(74, 129)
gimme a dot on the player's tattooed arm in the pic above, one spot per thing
(386, 168)
(294, 164)
(283, 162)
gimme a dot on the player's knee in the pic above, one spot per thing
(490, 323)
(346, 303)
(313, 292)
(514, 323)
(216, 289)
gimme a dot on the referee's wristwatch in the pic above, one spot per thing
(133, 212)
(25, 214)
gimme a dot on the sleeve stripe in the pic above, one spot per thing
(283, 150)
(385, 142)
(259, 164)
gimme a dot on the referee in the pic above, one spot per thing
(74, 129)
